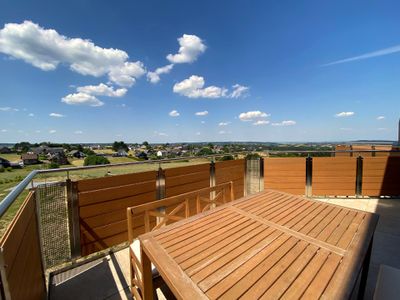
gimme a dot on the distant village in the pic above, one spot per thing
(63, 154)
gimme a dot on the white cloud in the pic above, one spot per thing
(37, 131)
(261, 122)
(7, 108)
(251, 115)
(126, 74)
(4, 130)
(81, 99)
(203, 122)
(285, 123)
(192, 87)
(222, 132)
(56, 115)
(46, 49)
(224, 123)
(31, 115)
(380, 118)
(102, 90)
(344, 114)
(377, 53)
(174, 113)
(198, 133)
(160, 133)
(201, 113)
(154, 77)
(239, 91)
(52, 131)
(191, 46)
(78, 132)
(382, 129)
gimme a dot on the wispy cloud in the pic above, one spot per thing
(380, 118)
(56, 115)
(377, 53)
(174, 113)
(344, 114)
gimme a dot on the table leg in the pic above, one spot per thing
(364, 272)
(147, 292)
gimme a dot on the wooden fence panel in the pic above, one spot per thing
(21, 267)
(102, 207)
(381, 176)
(285, 174)
(231, 170)
(334, 176)
(343, 148)
(186, 179)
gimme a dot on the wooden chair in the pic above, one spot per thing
(153, 215)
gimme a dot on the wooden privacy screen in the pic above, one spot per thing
(102, 207)
(186, 179)
(334, 176)
(285, 174)
(22, 274)
(231, 170)
(381, 176)
(343, 148)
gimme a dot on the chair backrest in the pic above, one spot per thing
(153, 215)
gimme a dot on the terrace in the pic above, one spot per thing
(76, 233)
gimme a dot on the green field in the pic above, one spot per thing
(9, 179)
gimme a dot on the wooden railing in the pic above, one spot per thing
(151, 216)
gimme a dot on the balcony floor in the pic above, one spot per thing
(107, 278)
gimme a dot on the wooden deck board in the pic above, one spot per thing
(270, 245)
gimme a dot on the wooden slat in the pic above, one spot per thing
(116, 180)
(285, 174)
(23, 276)
(114, 193)
(268, 245)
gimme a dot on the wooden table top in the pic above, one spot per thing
(268, 245)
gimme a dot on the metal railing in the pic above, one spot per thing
(13, 195)
(19, 188)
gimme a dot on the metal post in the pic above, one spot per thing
(212, 174)
(373, 152)
(160, 184)
(246, 179)
(73, 219)
(261, 177)
(309, 176)
(359, 174)
(212, 178)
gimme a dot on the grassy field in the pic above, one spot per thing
(10, 179)
(13, 157)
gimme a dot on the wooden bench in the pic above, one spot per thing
(154, 215)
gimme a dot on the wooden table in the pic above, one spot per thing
(268, 245)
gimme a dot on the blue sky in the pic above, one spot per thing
(99, 71)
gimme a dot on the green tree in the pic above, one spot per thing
(205, 151)
(92, 160)
(117, 146)
(226, 157)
